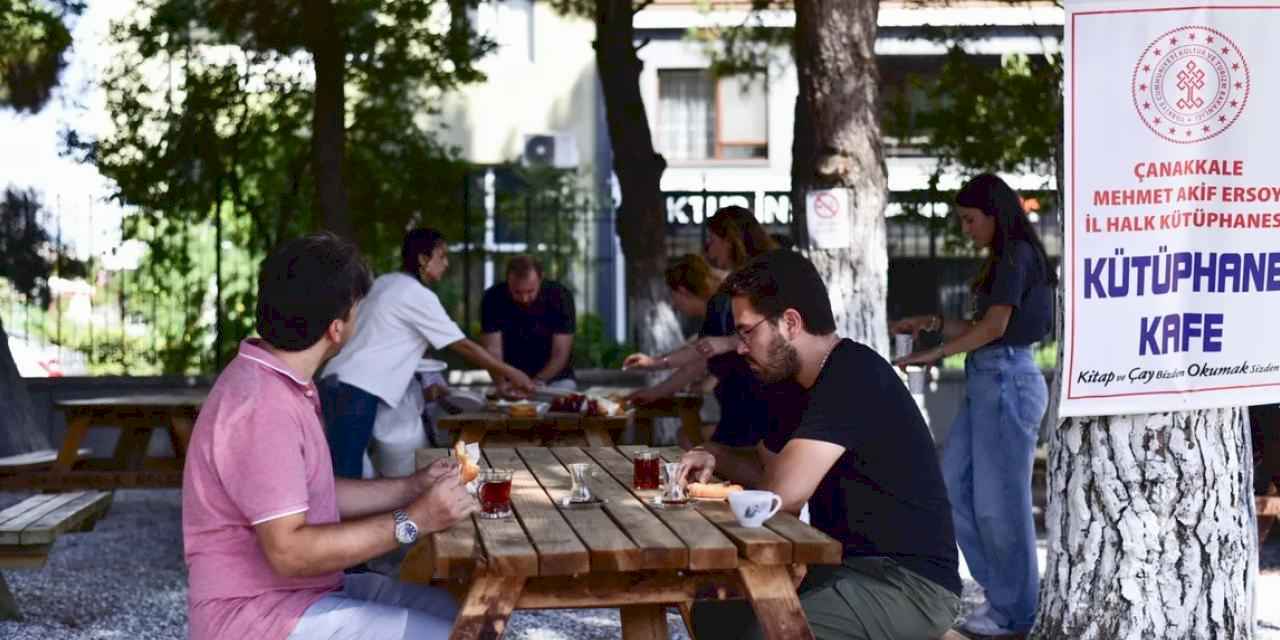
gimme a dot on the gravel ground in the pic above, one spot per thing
(126, 579)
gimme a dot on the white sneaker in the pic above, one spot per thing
(980, 623)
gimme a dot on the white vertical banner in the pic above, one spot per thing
(1171, 258)
(827, 214)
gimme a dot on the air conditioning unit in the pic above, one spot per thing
(558, 150)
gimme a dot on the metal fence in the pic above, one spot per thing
(129, 319)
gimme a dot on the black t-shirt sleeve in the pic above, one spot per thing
(492, 310)
(564, 316)
(1014, 273)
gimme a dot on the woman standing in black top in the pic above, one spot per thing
(988, 456)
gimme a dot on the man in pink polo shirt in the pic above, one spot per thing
(267, 529)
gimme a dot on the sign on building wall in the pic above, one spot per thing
(827, 212)
(1172, 242)
(695, 207)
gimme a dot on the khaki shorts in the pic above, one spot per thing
(862, 599)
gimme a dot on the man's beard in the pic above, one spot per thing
(782, 362)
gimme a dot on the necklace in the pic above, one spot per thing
(823, 364)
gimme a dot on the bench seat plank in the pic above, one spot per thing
(11, 531)
(89, 505)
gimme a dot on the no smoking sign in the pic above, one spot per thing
(827, 213)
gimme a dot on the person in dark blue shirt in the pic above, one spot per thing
(989, 452)
(529, 322)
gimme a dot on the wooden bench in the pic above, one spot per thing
(29, 528)
(34, 461)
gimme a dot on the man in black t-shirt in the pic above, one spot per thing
(529, 323)
(860, 456)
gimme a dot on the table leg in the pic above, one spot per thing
(597, 436)
(487, 607)
(180, 427)
(131, 448)
(8, 606)
(686, 614)
(77, 427)
(644, 622)
(774, 599)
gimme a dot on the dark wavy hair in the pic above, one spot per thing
(996, 199)
(747, 238)
(418, 242)
(779, 280)
(304, 285)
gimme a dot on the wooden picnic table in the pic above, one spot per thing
(136, 416)
(685, 406)
(477, 426)
(624, 553)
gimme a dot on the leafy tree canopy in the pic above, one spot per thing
(34, 40)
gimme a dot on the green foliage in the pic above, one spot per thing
(26, 250)
(594, 348)
(226, 136)
(34, 40)
(747, 48)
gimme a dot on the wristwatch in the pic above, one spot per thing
(406, 529)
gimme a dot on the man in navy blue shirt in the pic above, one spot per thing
(528, 322)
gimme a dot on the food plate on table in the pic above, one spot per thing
(522, 408)
(599, 407)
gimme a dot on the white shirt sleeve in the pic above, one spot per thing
(422, 311)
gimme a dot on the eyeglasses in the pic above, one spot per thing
(743, 334)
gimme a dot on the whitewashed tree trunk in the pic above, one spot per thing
(837, 146)
(1150, 528)
(18, 432)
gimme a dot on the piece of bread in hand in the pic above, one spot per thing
(712, 490)
(469, 468)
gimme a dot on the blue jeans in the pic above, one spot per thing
(375, 607)
(348, 424)
(987, 467)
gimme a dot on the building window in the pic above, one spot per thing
(701, 117)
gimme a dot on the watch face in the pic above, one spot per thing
(406, 532)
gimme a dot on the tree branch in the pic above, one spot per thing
(641, 7)
(643, 43)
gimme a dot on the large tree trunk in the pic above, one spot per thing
(328, 124)
(837, 146)
(18, 432)
(1150, 528)
(641, 216)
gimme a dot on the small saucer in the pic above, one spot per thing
(565, 503)
(658, 502)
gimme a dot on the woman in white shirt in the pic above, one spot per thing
(370, 382)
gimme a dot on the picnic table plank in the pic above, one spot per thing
(808, 545)
(507, 548)
(610, 548)
(559, 550)
(11, 531)
(660, 548)
(22, 507)
(760, 544)
(192, 398)
(708, 547)
(454, 549)
(89, 504)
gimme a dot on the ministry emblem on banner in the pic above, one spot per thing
(1190, 84)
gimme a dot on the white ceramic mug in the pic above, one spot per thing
(752, 508)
